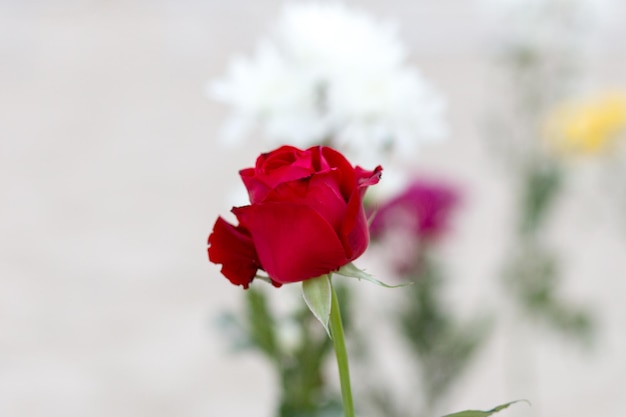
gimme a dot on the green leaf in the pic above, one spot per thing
(351, 271)
(317, 296)
(476, 413)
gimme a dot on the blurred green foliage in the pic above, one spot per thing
(441, 344)
(298, 365)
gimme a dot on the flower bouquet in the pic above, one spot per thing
(322, 99)
(305, 222)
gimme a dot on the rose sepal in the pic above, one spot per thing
(317, 294)
(351, 271)
(477, 413)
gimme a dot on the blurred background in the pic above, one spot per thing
(112, 176)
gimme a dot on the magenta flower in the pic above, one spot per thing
(408, 223)
(423, 210)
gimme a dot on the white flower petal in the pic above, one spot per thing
(334, 75)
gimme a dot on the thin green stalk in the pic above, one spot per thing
(336, 330)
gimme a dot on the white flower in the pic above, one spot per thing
(328, 74)
(385, 111)
(269, 90)
(331, 40)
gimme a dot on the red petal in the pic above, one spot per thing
(355, 230)
(320, 192)
(284, 158)
(282, 165)
(320, 164)
(366, 178)
(347, 180)
(233, 248)
(293, 241)
(257, 189)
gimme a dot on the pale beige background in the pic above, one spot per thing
(111, 180)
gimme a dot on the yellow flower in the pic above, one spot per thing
(587, 126)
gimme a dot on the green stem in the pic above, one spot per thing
(336, 330)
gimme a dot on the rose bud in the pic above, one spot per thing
(305, 217)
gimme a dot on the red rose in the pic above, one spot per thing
(305, 217)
